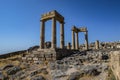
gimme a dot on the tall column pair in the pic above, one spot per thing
(53, 44)
(75, 46)
(54, 34)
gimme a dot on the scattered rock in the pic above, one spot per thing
(13, 70)
(8, 66)
(74, 76)
(38, 78)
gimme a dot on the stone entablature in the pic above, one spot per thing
(81, 29)
(52, 14)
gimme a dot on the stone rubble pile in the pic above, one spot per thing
(86, 63)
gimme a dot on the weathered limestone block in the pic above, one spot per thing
(35, 58)
(24, 58)
(53, 58)
(42, 59)
(37, 55)
(29, 59)
(48, 55)
(32, 55)
(48, 59)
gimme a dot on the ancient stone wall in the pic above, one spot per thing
(47, 55)
(115, 63)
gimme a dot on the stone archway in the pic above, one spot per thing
(54, 15)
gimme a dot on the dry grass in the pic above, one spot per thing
(5, 62)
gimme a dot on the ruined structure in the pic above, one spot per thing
(32, 64)
(49, 50)
(54, 15)
(75, 44)
(97, 44)
(103, 45)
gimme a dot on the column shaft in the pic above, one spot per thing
(97, 44)
(86, 40)
(53, 33)
(62, 35)
(73, 40)
(42, 35)
(77, 41)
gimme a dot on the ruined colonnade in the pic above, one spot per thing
(54, 15)
(75, 38)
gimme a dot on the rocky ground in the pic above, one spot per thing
(90, 65)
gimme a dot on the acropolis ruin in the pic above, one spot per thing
(53, 50)
(72, 61)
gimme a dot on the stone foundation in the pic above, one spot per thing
(48, 55)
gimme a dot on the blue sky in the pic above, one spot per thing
(20, 21)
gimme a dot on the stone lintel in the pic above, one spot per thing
(75, 29)
(81, 29)
(52, 14)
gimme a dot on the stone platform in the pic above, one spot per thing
(48, 55)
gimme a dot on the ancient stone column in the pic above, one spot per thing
(53, 33)
(97, 44)
(62, 35)
(86, 40)
(77, 41)
(42, 35)
(73, 40)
